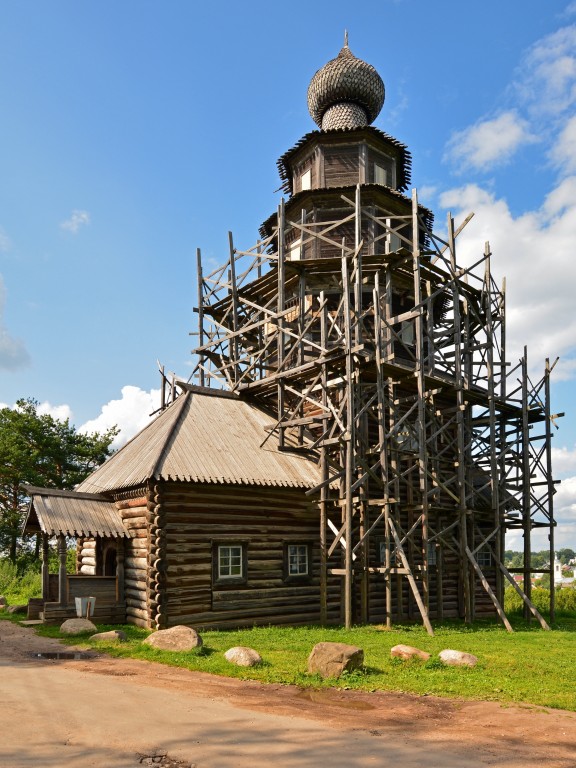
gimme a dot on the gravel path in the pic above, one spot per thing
(113, 713)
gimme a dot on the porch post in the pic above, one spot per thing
(120, 569)
(45, 569)
(62, 586)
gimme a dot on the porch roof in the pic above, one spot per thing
(72, 513)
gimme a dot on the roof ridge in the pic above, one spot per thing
(37, 490)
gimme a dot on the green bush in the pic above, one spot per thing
(18, 588)
(565, 600)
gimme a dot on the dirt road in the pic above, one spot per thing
(110, 713)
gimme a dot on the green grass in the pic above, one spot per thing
(530, 666)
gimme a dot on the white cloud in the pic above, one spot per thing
(564, 460)
(427, 195)
(130, 414)
(564, 510)
(546, 78)
(565, 506)
(489, 142)
(13, 352)
(563, 151)
(540, 107)
(534, 251)
(59, 412)
(77, 219)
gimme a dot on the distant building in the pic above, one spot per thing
(557, 571)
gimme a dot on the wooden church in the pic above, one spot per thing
(353, 444)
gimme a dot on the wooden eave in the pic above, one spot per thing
(331, 197)
(70, 513)
(373, 136)
(321, 270)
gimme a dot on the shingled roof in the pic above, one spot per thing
(205, 436)
(70, 513)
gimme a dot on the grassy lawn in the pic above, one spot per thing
(530, 666)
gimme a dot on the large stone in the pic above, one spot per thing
(113, 636)
(17, 609)
(77, 627)
(332, 659)
(3, 602)
(179, 638)
(242, 656)
(457, 658)
(408, 652)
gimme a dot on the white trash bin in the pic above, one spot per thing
(85, 607)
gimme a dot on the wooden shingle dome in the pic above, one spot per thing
(345, 93)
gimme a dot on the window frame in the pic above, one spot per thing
(298, 578)
(380, 174)
(484, 557)
(234, 579)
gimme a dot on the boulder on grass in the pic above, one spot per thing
(77, 627)
(332, 659)
(408, 652)
(243, 656)
(17, 609)
(113, 636)
(457, 658)
(179, 638)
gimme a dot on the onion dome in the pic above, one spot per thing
(346, 93)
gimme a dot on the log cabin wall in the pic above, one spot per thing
(260, 522)
(134, 511)
(86, 557)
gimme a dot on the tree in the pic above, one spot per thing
(565, 555)
(37, 449)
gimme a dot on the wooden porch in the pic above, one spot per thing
(110, 606)
(65, 514)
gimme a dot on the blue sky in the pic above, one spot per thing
(133, 132)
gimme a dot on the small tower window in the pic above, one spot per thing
(380, 175)
(295, 253)
(306, 180)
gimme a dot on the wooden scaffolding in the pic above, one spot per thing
(379, 356)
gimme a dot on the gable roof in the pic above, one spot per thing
(56, 512)
(205, 436)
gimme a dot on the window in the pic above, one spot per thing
(382, 552)
(392, 240)
(379, 174)
(484, 557)
(229, 562)
(381, 169)
(407, 332)
(295, 253)
(306, 180)
(296, 562)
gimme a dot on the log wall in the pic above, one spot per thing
(169, 562)
(263, 521)
(135, 513)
